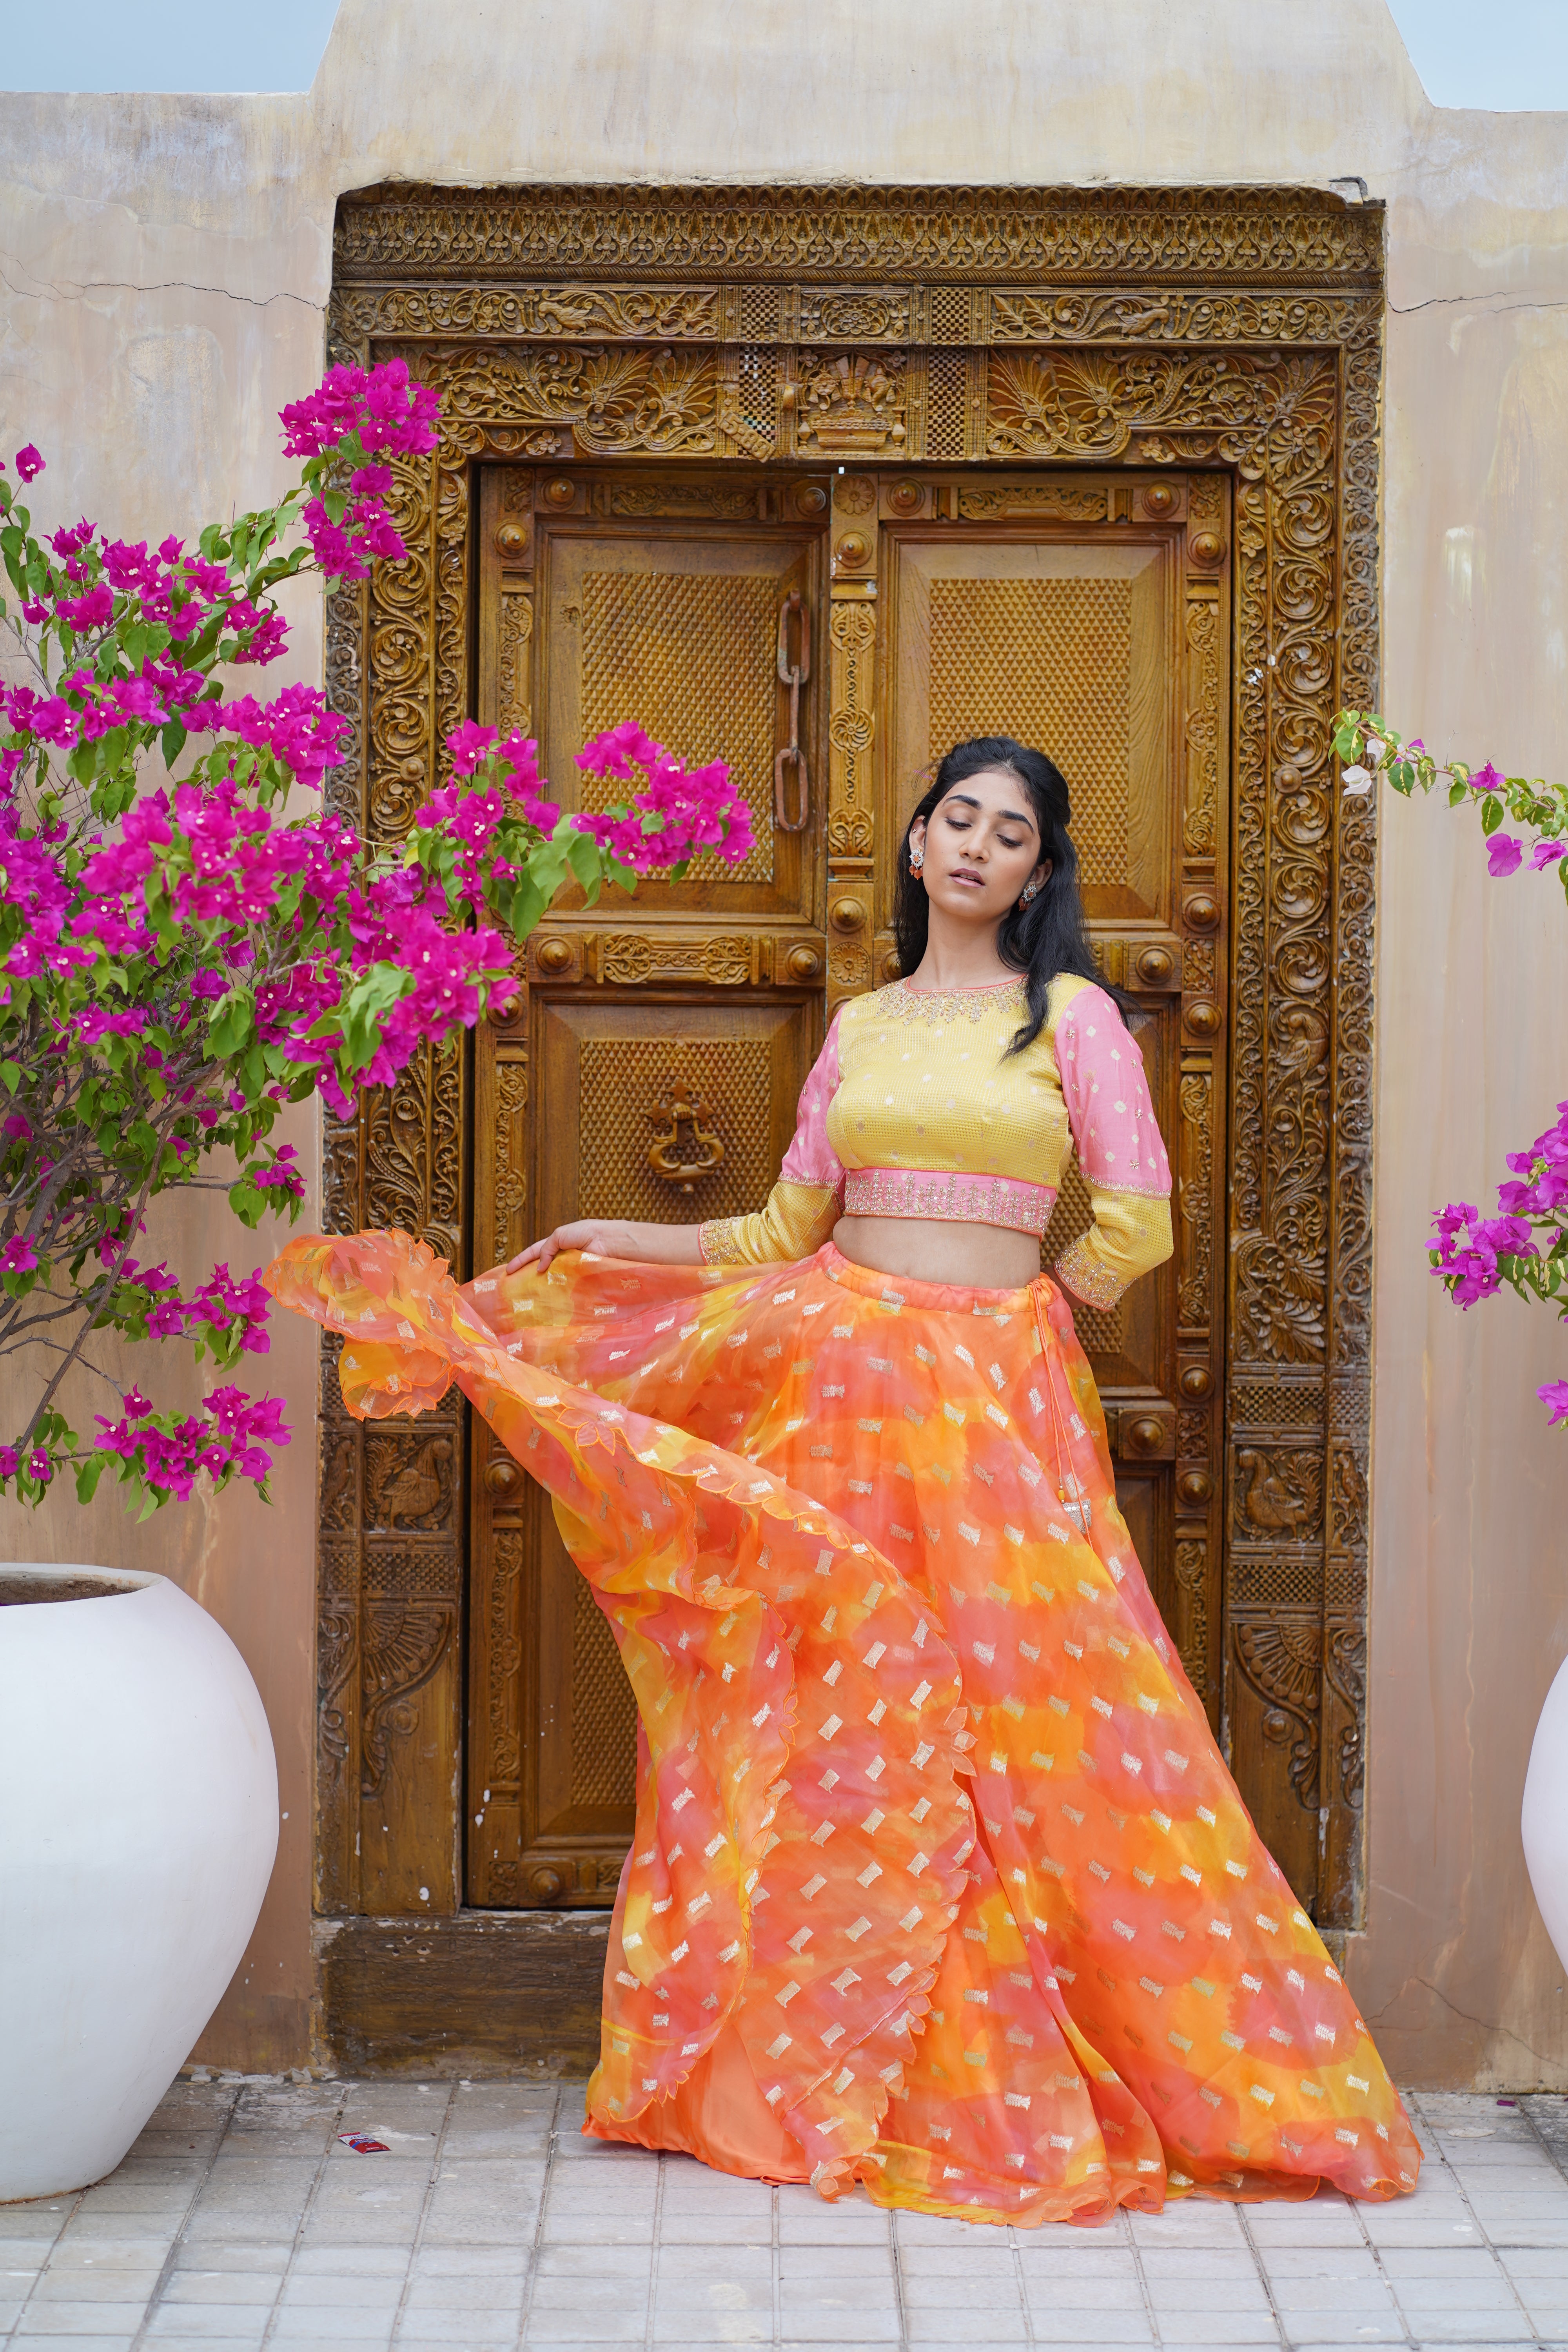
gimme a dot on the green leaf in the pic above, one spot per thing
(231, 1024)
(88, 1474)
(1492, 812)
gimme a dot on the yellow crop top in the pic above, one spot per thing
(915, 1109)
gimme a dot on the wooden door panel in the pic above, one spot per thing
(553, 1730)
(677, 626)
(1098, 641)
(652, 595)
(1062, 643)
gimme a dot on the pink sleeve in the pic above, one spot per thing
(811, 1158)
(1106, 1097)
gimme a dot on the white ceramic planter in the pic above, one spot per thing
(138, 1826)
(1544, 1818)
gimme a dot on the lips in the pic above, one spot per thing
(970, 881)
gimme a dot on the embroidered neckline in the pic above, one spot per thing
(907, 1004)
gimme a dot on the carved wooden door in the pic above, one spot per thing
(1087, 615)
(653, 1067)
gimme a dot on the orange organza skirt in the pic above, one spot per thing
(940, 1882)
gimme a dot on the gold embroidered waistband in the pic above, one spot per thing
(957, 1198)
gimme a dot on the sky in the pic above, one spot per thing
(1507, 55)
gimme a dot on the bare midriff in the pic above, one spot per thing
(935, 1249)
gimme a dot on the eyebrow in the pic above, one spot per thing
(1008, 817)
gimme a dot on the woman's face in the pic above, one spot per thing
(982, 847)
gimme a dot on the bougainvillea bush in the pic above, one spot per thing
(189, 943)
(1525, 1245)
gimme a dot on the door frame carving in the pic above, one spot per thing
(1236, 331)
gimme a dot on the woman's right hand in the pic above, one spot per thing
(598, 1236)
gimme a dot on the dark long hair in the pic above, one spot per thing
(1048, 936)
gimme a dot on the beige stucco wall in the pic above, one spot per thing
(163, 284)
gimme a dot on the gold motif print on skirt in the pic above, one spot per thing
(940, 1882)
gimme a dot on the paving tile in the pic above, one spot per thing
(734, 2302)
(441, 2262)
(687, 2232)
(227, 2324)
(1321, 2306)
(93, 2249)
(428, 2311)
(346, 2290)
(555, 2337)
(212, 2253)
(488, 2201)
(1125, 2333)
(1470, 2327)
(1205, 2327)
(1364, 2324)
(355, 2211)
(829, 2269)
(1101, 2286)
(22, 2233)
(807, 2220)
(1348, 2267)
(1190, 2221)
(477, 2331)
(106, 2282)
(1456, 2267)
(587, 2309)
(603, 2299)
(526, 2136)
(256, 2289)
(933, 2332)
(242, 2182)
(1321, 2220)
(348, 2261)
(82, 2318)
(690, 2185)
(32, 2342)
(1422, 2220)
(991, 2274)
(835, 2320)
(929, 2228)
(330, 2327)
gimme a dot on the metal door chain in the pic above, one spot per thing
(793, 675)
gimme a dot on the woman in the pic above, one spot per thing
(939, 1880)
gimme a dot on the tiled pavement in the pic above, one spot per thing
(240, 2221)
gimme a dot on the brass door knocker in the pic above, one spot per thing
(685, 1146)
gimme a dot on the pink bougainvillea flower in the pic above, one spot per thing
(1503, 854)
(1547, 853)
(1555, 1395)
(468, 745)
(1486, 779)
(29, 465)
(18, 1257)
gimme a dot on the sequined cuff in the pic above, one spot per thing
(720, 1242)
(1083, 1272)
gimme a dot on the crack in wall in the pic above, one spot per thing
(79, 292)
(1492, 303)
